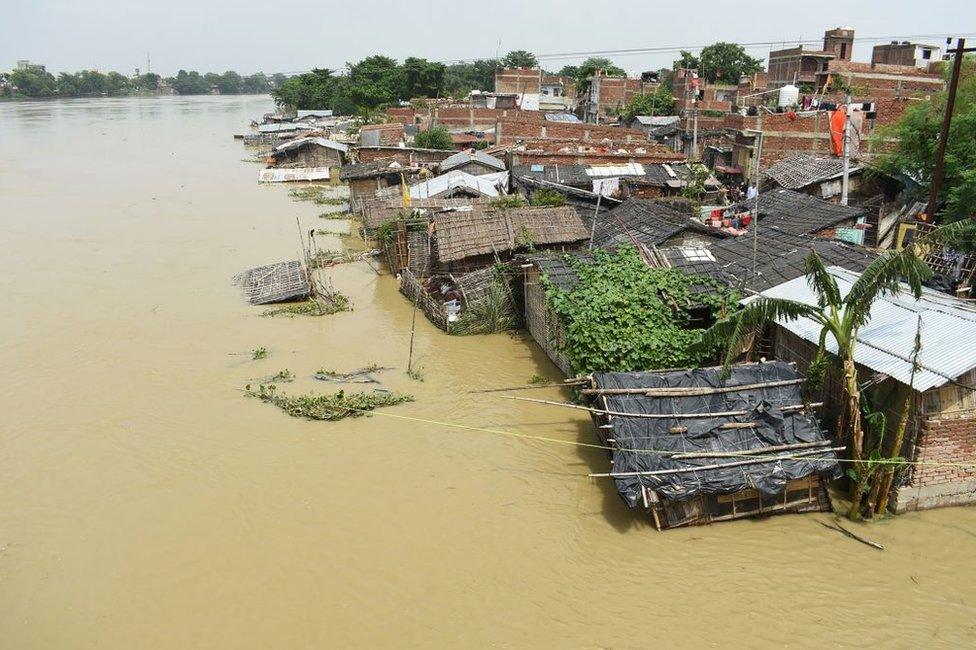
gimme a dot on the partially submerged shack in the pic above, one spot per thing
(279, 282)
(691, 448)
(450, 258)
(309, 152)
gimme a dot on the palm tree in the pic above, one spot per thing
(840, 317)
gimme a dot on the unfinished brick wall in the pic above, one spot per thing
(945, 441)
(884, 80)
(530, 127)
(518, 80)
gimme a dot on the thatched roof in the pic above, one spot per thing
(463, 234)
(380, 211)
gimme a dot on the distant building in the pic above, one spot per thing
(796, 65)
(558, 93)
(905, 53)
(608, 95)
(25, 64)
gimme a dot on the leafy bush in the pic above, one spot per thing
(435, 138)
(549, 198)
(624, 316)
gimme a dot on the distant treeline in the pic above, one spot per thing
(37, 83)
(380, 81)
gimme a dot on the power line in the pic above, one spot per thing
(665, 49)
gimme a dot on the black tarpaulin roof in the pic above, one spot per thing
(775, 425)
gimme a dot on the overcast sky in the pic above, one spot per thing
(296, 35)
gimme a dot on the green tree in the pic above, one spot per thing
(318, 89)
(571, 71)
(520, 59)
(435, 138)
(686, 61)
(277, 79)
(660, 102)
(917, 134)
(461, 78)
(374, 81)
(229, 83)
(117, 84)
(590, 67)
(254, 84)
(148, 81)
(726, 63)
(422, 78)
(189, 83)
(840, 317)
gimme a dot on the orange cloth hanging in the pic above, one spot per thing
(837, 130)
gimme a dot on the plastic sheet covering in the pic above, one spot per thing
(761, 405)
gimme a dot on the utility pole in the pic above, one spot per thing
(758, 136)
(846, 178)
(946, 122)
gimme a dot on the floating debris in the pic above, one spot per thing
(326, 407)
(259, 353)
(334, 303)
(279, 282)
(358, 376)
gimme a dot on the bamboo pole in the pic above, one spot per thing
(687, 391)
(655, 416)
(738, 463)
(726, 426)
(759, 450)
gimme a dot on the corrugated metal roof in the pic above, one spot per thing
(464, 157)
(322, 142)
(562, 117)
(313, 113)
(886, 342)
(656, 120)
(286, 126)
(630, 169)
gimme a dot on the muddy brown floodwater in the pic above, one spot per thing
(145, 503)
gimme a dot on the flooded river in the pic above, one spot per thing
(146, 503)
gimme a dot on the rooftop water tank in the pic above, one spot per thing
(789, 95)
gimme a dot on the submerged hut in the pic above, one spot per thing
(309, 152)
(366, 178)
(279, 282)
(450, 260)
(690, 448)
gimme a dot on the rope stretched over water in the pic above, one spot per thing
(590, 445)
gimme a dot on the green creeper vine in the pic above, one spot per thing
(623, 315)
